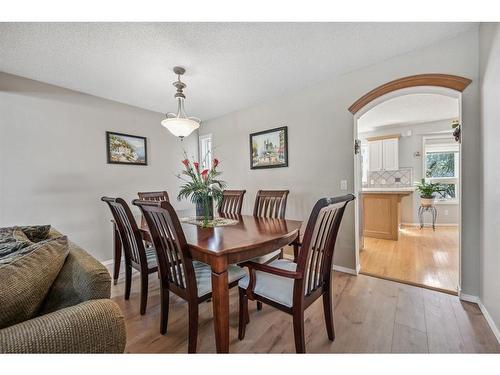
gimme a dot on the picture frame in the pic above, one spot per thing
(269, 148)
(126, 149)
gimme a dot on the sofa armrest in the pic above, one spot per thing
(81, 278)
(95, 326)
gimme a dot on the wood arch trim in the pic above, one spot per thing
(441, 80)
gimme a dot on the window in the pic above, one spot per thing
(441, 166)
(206, 151)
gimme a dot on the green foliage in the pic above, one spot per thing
(440, 164)
(200, 186)
(427, 189)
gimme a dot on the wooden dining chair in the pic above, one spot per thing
(231, 203)
(179, 273)
(137, 256)
(292, 287)
(156, 196)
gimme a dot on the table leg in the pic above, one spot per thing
(220, 297)
(117, 244)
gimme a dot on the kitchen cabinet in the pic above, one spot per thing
(383, 154)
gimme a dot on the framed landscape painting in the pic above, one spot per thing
(269, 148)
(126, 149)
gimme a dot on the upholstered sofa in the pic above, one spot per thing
(76, 316)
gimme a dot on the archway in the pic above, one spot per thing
(442, 84)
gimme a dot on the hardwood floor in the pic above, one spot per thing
(420, 257)
(371, 316)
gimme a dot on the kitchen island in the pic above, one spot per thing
(382, 211)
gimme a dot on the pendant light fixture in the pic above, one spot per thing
(180, 124)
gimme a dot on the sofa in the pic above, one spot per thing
(76, 314)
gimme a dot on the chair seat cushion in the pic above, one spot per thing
(204, 276)
(276, 288)
(151, 257)
(263, 259)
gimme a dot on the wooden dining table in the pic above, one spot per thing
(221, 246)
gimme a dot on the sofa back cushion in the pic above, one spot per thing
(26, 279)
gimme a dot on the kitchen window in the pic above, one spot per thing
(441, 166)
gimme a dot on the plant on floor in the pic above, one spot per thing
(428, 189)
(202, 188)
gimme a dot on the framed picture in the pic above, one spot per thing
(126, 149)
(269, 148)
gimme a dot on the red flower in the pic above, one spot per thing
(196, 166)
(185, 162)
(216, 163)
(204, 174)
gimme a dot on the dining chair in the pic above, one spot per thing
(157, 196)
(292, 287)
(179, 273)
(231, 203)
(137, 256)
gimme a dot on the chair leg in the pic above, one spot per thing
(328, 310)
(165, 296)
(282, 253)
(144, 292)
(128, 280)
(193, 326)
(259, 305)
(243, 319)
(298, 331)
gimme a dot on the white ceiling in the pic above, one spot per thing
(409, 109)
(229, 65)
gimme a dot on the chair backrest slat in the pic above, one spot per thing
(316, 255)
(231, 203)
(270, 204)
(133, 246)
(174, 261)
(156, 196)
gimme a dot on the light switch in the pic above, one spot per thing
(343, 184)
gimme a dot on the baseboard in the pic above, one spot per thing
(490, 321)
(469, 298)
(429, 225)
(350, 271)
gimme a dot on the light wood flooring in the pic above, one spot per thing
(420, 257)
(371, 316)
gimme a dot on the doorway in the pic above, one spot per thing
(405, 136)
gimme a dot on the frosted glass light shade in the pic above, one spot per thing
(180, 127)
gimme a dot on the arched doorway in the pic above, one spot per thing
(435, 84)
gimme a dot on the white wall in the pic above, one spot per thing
(321, 141)
(53, 160)
(490, 213)
(447, 213)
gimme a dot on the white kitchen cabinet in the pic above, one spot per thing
(384, 154)
(390, 154)
(375, 158)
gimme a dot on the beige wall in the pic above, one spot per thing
(321, 141)
(53, 159)
(490, 213)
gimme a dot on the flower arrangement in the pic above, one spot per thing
(201, 187)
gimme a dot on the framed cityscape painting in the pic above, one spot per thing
(126, 149)
(269, 148)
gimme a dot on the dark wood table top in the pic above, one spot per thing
(247, 234)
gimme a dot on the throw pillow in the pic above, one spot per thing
(12, 240)
(25, 282)
(36, 233)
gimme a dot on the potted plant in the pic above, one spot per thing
(202, 188)
(427, 191)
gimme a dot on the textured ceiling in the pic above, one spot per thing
(409, 109)
(229, 65)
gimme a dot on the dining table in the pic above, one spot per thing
(220, 246)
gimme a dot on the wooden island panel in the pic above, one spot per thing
(382, 214)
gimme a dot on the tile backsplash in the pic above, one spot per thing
(399, 178)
